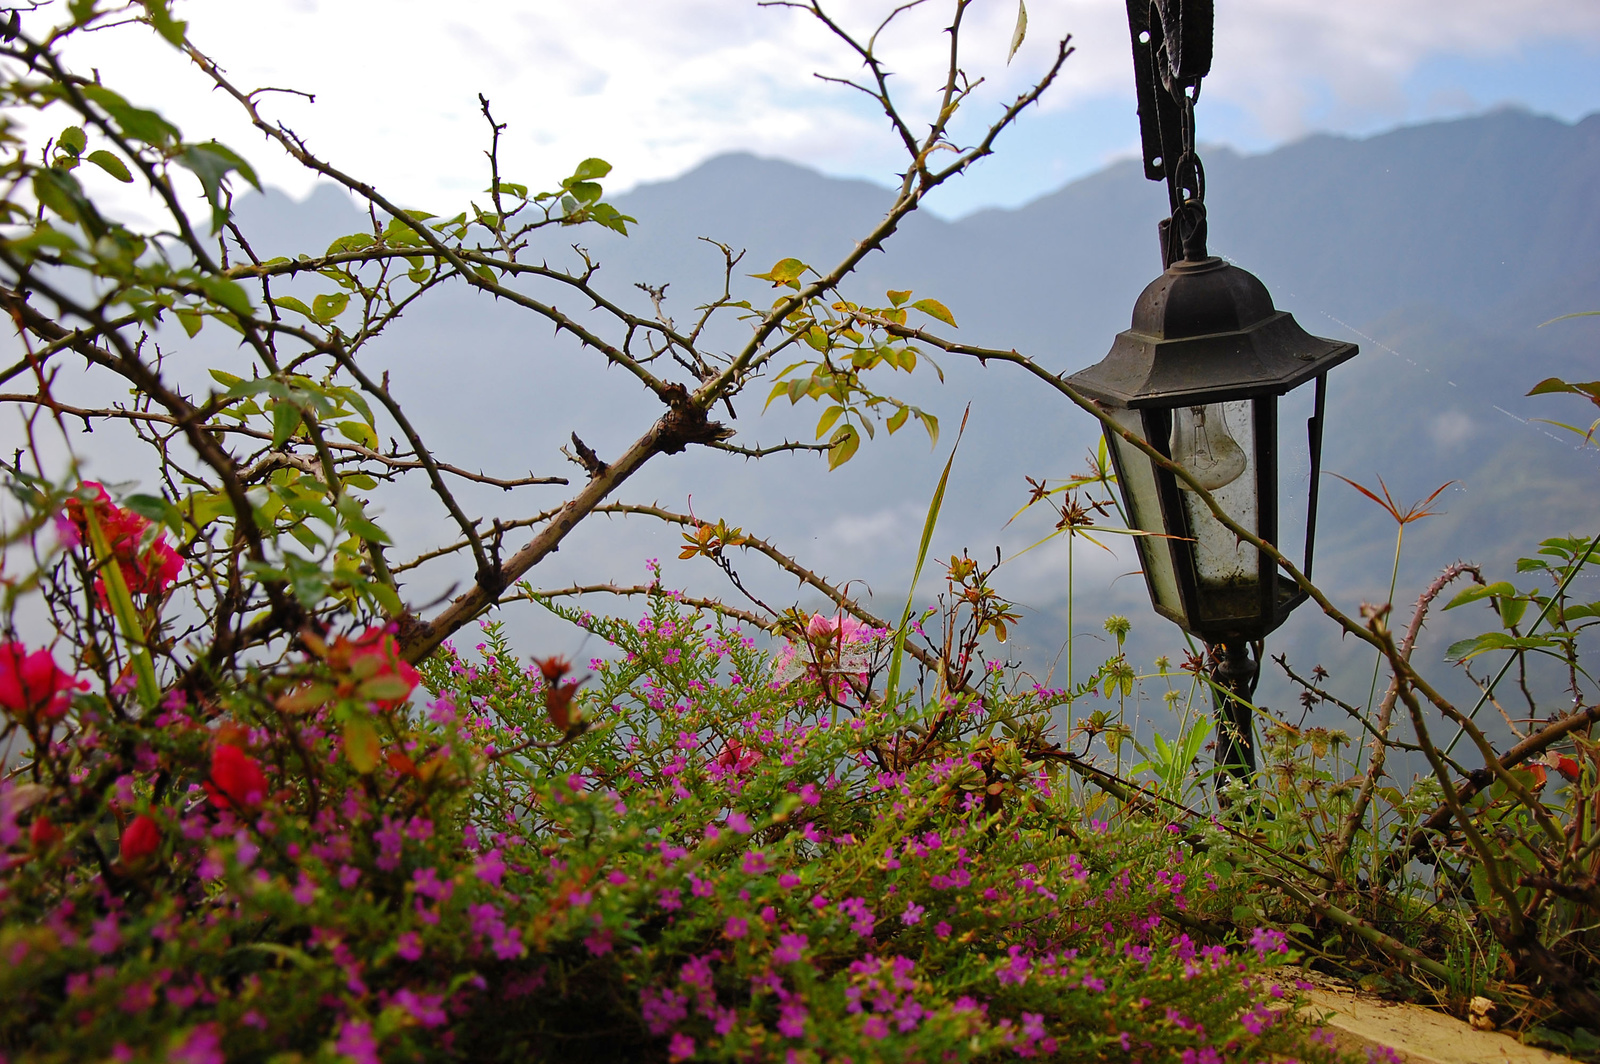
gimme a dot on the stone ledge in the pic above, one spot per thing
(1417, 1035)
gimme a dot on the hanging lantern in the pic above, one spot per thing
(1198, 376)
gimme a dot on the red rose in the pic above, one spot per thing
(32, 686)
(237, 781)
(140, 839)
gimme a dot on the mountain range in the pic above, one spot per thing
(1440, 249)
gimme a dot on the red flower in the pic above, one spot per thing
(382, 675)
(43, 834)
(237, 781)
(32, 686)
(148, 570)
(140, 839)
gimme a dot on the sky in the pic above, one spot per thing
(657, 86)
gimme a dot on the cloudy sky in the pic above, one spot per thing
(657, 86)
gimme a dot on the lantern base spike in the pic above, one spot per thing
(1236, 670)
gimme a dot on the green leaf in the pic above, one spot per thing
(157, 509)
(898, 418)
(385, 597)
(110, 164)
(191, 320)
(285, 419)
(829, 416)
(357, 522)
(226, 379)
(135, 122)
(1501, 589)
(291, 303)
(325, 307)
(1467, 649)
(211, 163)
(590, 170)
(225, 293)
(935, 309)
(1018, 34)
(72, 140)
(353, 242)
(163, 22)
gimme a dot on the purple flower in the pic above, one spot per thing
(736, 927)
(1266, 940)
(792, 1018)
(203, 1045)
(490, 868)
(408, 945)
(754, 863)
(355, 1041)
(680, 1048)
(790, 948)
(913, 914)
(426, 1009)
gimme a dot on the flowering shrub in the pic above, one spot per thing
(146, 562)
(716, 867)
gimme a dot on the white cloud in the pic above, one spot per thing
(656, 86)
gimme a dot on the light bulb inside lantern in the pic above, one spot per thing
(1202, 445)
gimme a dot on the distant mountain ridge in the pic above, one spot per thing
(1440, 248)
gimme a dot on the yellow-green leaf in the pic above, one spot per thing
(1018, 34)
(845, 443)
(360, 432)
(291, 303)
(361, 745)
(784, 271)
(111, 165)
(935, 309)
(898, 297)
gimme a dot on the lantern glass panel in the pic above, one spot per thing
(1228, 571)
(1294, 471)
(1140, 494)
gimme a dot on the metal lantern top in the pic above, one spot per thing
(1207, 332)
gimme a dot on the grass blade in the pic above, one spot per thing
(892, 687)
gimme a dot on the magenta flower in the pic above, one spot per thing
(790, 947)
(356, 1041)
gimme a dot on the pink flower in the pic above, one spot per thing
(680, 1048)
(145, 569)
(736, 927)
(32, 687)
